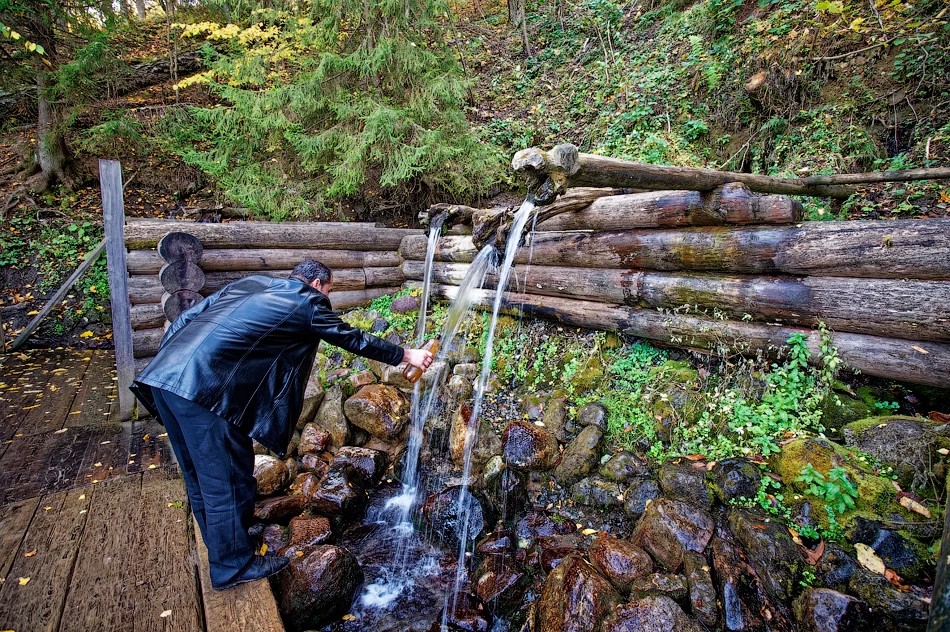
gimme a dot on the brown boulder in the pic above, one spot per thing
(318, 587)
(529, 447)
(310, 530)
(378, 409)
(669, 528)
(271, 474)
(654, 613)
(279, 508)
(619, 561)
(575, 598)
(313, 439)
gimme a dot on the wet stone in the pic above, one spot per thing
(459, 387)
(274, 537)
(532, 406)
(271, 474)
(575, 598)
(339, 493)
(899, 609)
(900, 553)
(653, 613)
(404, 304)
(529, 447)
(292, 468)
(294, 445)
(498, 542)
(313, 463)
(317, 588)
(580, 457)
(310, 530)
(441, 512)
(361, 379)
(669, 528)
(835, 567)
(280, 508)
(313, 439)
(312, 398)
(259, 449)
(379, 325)
(592, 414)
(538, 524)
(825, 610)
(500, 584)
(378, 409)
(679, 479)
(597, 492)
(623, 467)
(619, 561)
(507, 491)
(636, 497)
(702, 590)
(369, 463)
(764, 542)
(673, 586)
(468, 615)
(734, 478)
(553, 549)
(554, 418)
(330, 417)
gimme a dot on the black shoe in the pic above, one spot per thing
(261, 567)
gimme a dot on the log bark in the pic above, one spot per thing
(147, 316)
(144, 234)
(180, 245)
(233, 259)
(145, 342)
(181, 275)
(919, 362)
(550, 173)
(730, 204)
(911, 249)
(914, 310)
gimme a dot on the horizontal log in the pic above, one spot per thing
(147, 316)
(918, 362)
(732, 204)
(358, 298)
(146, 233)
(914, 310)
(140, 364)
(145, 342)
(898, 249)
(231, 259)
(383, 277)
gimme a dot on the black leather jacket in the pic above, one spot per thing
(246, 352)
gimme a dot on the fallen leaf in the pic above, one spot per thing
(869, 559)
(82, 497)
(894, 578)
(588, 531)
(86, 334)
(30, 553)
(813, 555)
(349, 617)
(146, 437)
(696, 457)
(909, 503)
(61, 431)
(943, 451)
(23, 581)
(152, 466)
(165, 613)
(299, 554)
(263, 550)
(919, 349)
(939, 417)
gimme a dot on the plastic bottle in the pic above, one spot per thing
(412, 372)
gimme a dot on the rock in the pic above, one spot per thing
(404, 304)
(554, 418)
(623, 467)
(260, 449)
(893, 608)
(314, 463)
(669, 528)
(361, 379)
(460, 434)
(330, 417)
(553, 549)
(680, 480)
(528, 447)
(580, 456)
(292, 469)
(466, 614)
(641, 492)
(653, 613)
(899, 551)
(733, 479)
(498, 542)
(500, 583)
(435, 374)
(280, 508)
(391, 375)
(838, 409)
(378, 409)
(308, 483)
(379, 325)
(340, 493)
(275, 537)
(702, 590)
(309, 530)
(575, 598)
(313, 439)
(907, 444)
(835, 567)
(592, 414)
(358, 437)
(597, 492)
(459, 388)
(532, 406)
(507, 490)
(673, 586)
(538, 524)
(441, 512)
(825, 610)
(370, 464)
(317, 588)
(467, 370)
(271, 474)
(619, 561)
(764, 542)
(312, 398)
(294, 446)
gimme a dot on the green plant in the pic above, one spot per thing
(887, 407)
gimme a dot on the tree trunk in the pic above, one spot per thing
(915, 310)
(50, 146)
(125, 10)
(918, 362)
(140, 9)
(898, 249)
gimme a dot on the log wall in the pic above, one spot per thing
(364, 258)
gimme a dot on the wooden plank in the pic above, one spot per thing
(52, 540)
(58, 394)
(110, 178)
(102, 594)
(248, 606)
(14, 520)
(24, 391)
(57, 296)
(149, 447)
(167, 577)
(94, 398)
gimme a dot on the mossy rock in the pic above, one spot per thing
(839, 409)
(875, 493)
(589, 374)
(675, 372)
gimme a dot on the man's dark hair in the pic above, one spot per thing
(309, 271)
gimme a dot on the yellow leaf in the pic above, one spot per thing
(23, 580)
(33, 313)
(86, 334)
(588, 531)
(165, 613)
(30, 553)
(299, 553)
(263, 550)
(869, 559)
(349, 617)
(909, 503)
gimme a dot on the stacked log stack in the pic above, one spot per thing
(363, 256)
(730, 268)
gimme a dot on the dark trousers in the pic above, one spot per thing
(217, 463)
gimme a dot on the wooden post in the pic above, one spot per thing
(940, 602)
(113, 211)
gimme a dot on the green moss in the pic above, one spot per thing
(838, 410)
(860, 426)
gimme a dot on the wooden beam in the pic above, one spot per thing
(58, 295)
(113, 210)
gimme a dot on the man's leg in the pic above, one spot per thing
(187, 466)
(223, 461)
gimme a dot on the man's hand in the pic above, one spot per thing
(417, 357)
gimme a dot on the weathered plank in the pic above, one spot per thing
(25, 390)
(248, 606)
(149, 447)
(59, 393)
(52, 541)
(166, 564)
(93, 401)
(14, 520)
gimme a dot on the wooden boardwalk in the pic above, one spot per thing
(95, 530)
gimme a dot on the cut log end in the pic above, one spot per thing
(176, 246)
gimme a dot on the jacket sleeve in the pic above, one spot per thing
(328, 326)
